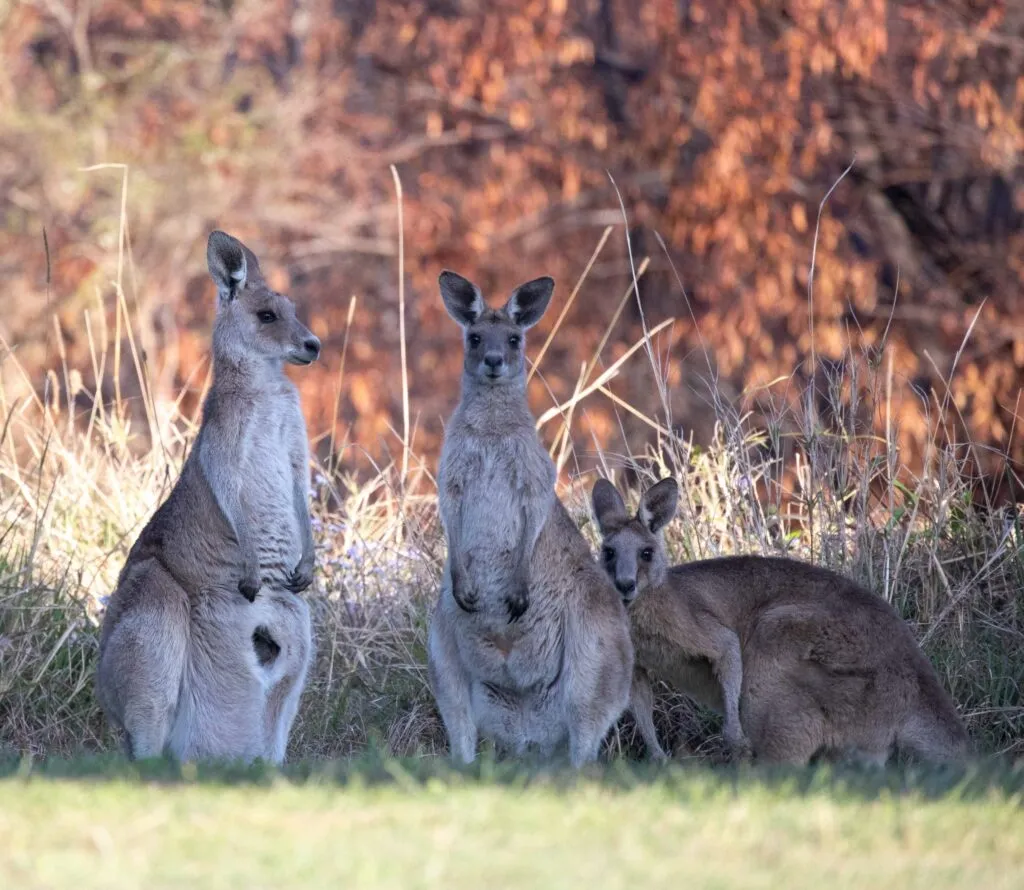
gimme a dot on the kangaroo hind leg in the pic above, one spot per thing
(141, 668)
(451, 687)
(784, 724)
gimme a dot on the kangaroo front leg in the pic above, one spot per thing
(518, 599)
(534, 514)
(217, 463)
(463, 592)
(642, 705)
(302, 575)
(729, 669)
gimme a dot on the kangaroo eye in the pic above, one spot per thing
(607, 554)
(647, 554)
(473, 340)
(514, 340)
(266, 317)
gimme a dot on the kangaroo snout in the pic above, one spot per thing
(627, 590)
(308, 352)
(495, 366)
(627, 587)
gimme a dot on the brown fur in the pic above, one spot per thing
(806, 661)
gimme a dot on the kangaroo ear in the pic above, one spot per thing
(609, 508)
(658, 505)
(231, 264)
(529, 301)
(462, 298)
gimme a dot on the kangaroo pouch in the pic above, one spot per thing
(514, 656)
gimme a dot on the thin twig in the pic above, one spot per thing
(401, 325)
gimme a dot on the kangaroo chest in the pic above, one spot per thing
(489, 486)
(267, 483)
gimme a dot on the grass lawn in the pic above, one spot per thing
(385, 824)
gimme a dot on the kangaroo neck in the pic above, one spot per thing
(244, 373)
(496, 405)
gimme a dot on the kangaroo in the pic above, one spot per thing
(205, 646)
(528, 643)
(805, 661)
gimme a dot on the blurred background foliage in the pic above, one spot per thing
(723, 124)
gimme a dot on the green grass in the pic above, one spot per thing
(380, 823)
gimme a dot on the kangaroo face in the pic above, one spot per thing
(254, 321)
(634, 559)
(494, 349)
(265, 322)
(495, 340)
(632, 549)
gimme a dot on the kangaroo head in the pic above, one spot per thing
(494, 340)
(253, 321)
(632, 549)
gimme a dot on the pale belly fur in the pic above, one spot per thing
(495, 484)
(267, 497)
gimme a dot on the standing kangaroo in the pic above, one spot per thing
(205, 645)
(528, 644)
(799, 659)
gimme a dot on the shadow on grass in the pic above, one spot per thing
(688, 781)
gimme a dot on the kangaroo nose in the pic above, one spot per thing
(627, 586)
(312, 345)
(494, 360)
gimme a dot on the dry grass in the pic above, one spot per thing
(80, 472)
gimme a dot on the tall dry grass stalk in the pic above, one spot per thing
(81, 473)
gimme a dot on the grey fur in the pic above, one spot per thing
(800, 660)
(205, 646)
(528, 645)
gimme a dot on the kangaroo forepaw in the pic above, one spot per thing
(517, 604)
(466, 599)
(249, 587)
(300, 579)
